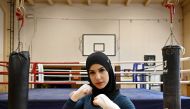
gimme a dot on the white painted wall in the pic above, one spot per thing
(54, 33)
(1, 40)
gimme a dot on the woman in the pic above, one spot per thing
(102, 92)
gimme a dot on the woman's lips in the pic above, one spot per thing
(99, 83)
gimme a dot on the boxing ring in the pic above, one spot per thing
(54, 98)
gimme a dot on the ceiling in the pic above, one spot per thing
(109, 2)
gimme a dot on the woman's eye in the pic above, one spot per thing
(91, 72)
(102, 70)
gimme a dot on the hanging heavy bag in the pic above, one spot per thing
(19, 63)
(171, 77)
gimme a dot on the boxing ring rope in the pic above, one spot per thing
(123, 72)
(184, 71)
(86, 82)
(35, 67)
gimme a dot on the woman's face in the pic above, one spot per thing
(98, 76)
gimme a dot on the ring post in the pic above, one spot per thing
(19, 64)
(171, 77)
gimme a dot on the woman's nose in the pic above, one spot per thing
(98, 76)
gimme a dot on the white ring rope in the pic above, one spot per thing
(182, 82)
(185, 71)
(124, 82)
(143, 72)
(122, 72)
(66, 75)
(131, 73)
(185, 59)
(46, 70)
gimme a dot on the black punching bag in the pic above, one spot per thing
(171, 77)
(18, 68)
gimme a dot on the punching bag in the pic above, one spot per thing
(171, 77)
(19, 63)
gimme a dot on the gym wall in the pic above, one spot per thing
(54, 33)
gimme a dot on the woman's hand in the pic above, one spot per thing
(81, 92)
(104, 102)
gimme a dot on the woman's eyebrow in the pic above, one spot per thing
(98, 69)
(101, 68)
(91, 70)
